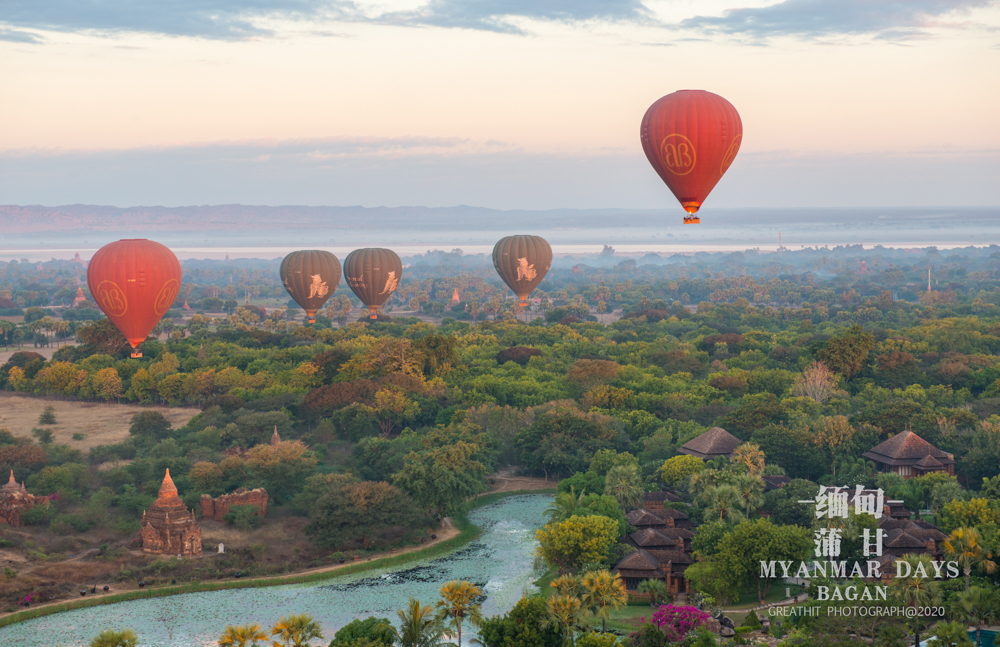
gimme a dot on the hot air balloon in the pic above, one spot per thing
(134, 283)
(373, 274)
(522, 262)
(691, 137)
(310, 276)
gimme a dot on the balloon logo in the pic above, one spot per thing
(166, 297)
(111, 298)
(679, 155)
(691, 138)
(151, 275)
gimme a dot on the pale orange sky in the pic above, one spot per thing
(924, 85)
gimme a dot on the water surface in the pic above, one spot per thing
(500, 561)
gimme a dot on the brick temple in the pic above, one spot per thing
(218, 507)
(15, 501)
(168, 527)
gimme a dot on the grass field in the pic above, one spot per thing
(100, 423)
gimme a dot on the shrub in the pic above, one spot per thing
(44, 436)
(517, 354)
(751, 620)
(243, 517)
(48, 416)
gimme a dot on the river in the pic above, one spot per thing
(500, 561)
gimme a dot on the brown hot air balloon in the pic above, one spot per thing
(373, 274)
(134, 282)
(522, 262)
(310, 276)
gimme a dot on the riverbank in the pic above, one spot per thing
(463, 532)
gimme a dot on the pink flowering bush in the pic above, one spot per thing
(677, 621)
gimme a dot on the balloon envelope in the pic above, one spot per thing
(373, 274)
(522, 262)
(134, 282)
(310, 276)
(691, 138)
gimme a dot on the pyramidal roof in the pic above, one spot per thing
(714, 442)
(907, 448)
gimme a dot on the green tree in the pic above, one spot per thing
(566, 614)
(372, 630)
(458, 605)
(441, 479)
(624, 483)
(242, 636)
(848, 353)
(949, 634)
(915, 587)
(418, 626)
(978, 607)
(751, 543)
(965, 546)
(113, 638)
(678, 469)
(348, 512)
(751, 491)
(723, 503)
(524, 626)
(569, 545)
(296, 631)
(48, 416)
(603, 592)
(656, 590)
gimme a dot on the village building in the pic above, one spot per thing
(217, 508)
(713, 443)
(655, 500)
(15, 501)
(168, 527)
(663, 549)
(666, 565)
(909, 455)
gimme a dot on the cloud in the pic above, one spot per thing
(14, 36)
(498, 15)
(887, 19)
(213, 19)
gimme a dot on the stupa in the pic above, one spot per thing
(15, 501)
(168, 527)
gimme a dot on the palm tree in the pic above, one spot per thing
(751, 491)
(565, 613)
(751, 457)
(418, 626)
(624, 483)
(657, 590)
(566, 585)
(564, 506)
(458, 603)
(296, 631)
(723, 503)
(965, 546)
(916, 590)
(242, 636)
(602, 592)
(112, 638)
(949, 634)
(977, 607)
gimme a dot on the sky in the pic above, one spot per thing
(527, 104)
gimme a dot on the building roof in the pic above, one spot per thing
(711, 444)
(638, 560)
(669, 513)
(661, 496)
(907, 448)
(11, 484)
(651, 538)
(775, 482)
(928, 462)
(903, 539)
(644, 518)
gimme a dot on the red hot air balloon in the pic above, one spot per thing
(134, 283)
(691, 137)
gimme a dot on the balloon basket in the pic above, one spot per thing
(311, 320)
(136, 353)
(691, 220)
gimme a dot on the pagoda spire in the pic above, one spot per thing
(168, 489)
(275, 438)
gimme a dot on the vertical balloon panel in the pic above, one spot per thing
(373, 273)
(134, 282)
(310, 277)
(522, 262)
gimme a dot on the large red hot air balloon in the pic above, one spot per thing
(134, 283)
(691, 137)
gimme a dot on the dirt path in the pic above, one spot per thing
(503, 482)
